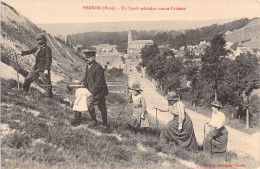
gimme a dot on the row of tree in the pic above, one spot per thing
(194, 36)
(120, 39)
(175, 39)
(213, 77)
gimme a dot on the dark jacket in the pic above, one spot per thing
(95, 82)
(43, 57)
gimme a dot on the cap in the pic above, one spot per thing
(89, 53)
(41, 36)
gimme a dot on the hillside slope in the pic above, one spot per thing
(247, 36)
(18, 33)
(36, 132)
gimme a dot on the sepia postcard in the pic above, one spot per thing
(130, 84)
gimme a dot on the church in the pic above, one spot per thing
(135, 46)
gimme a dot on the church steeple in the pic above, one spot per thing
(129, 35)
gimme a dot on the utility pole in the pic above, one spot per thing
(247, 118)
(247, 114)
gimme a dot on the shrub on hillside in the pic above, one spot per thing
(17, 140)
(138, 68)
(115, 98)
(255, 109)
(115, 72)
(11, 83)
(254, 104)
(76, 69)
(5, 59)
(230, 112)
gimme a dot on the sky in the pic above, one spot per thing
(72, 11)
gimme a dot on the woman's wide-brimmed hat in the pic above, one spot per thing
(172, 96)
(216, 104)
(136, 86)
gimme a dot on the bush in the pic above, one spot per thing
(230, 112)
(76, 69)
(5, 59)
(254, 104)
(17, 140)
(114, 98)
(115, 72)
(12, 83)
(255, 109)
(138, 68)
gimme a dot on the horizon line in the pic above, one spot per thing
(146, 21)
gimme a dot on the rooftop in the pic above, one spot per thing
(141, 41)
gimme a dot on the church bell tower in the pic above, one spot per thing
(129, 41)
(129, 36)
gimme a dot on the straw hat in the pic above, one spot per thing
(216, 104)
(136, 86)
(172, 96)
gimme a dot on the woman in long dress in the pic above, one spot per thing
(180, 129)
(216, 140)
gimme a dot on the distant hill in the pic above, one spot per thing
(247, 36)
(73, 28)
(174, 39)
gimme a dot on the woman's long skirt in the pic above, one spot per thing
(216, 140)
(185, 138)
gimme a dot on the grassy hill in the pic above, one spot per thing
(247, 36)
(173, 39)
(18, 33)
(64, 29)
(36, 131)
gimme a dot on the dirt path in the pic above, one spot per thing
(241, 143)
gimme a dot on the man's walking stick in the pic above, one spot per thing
(17, 73)
(121, 110)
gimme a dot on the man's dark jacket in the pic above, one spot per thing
(43, 57)
(94, 81)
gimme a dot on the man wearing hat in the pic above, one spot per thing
(216, 140)
(95, 82)
(42, 65)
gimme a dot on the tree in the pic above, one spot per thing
(148, 52)
(155, 67)
(191, 70)
(173, 68)
(161, 38)
(212, 62)
(243, 78)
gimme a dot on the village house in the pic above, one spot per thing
(236, 50)
(108, 56)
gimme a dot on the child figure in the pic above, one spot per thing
(80, 104)
(139, 116)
